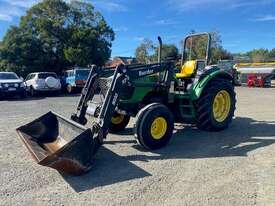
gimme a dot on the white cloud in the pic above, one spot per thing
(265, 18)
(161, 22)
(230, 45)
(22, 3)
(187, 4)
(121, 29)
(15, 8)
(139, 38)
(5, 17)
(184, 5)
(172, 37)
(165, 22)
(110, 6)
(8, 12)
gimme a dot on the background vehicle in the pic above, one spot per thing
(257, 74)
(74, 80)
(200, 94)
(11, 85)
(42, 82)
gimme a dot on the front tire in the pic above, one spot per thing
(154, 126)
(119, 122)
(216, 106)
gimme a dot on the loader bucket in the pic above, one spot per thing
(59, 143)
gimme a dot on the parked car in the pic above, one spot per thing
(42, 82)
(74, 80)
(11, 85)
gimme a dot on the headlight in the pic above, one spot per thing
(16, 85)
(22, 84)
(6, 85)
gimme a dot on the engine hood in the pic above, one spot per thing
(14, 81)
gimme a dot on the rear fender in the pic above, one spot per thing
(198, 88)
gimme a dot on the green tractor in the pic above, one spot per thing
(198, 94)
(156, 95)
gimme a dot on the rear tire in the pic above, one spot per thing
(216, 106)
(154, 126)
(69, 89)
(32, 92)
(119, 122)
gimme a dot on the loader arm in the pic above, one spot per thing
(123, 77)
(88, 92)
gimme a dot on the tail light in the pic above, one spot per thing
(79, 82)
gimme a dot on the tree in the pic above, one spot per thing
(168, 51)
(54, 35)
(272, 55)
(199, 45)
(147, 52)
(144, 52)
(259, 55)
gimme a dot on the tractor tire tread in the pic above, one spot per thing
(204, 107)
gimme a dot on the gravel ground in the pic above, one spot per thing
(233, 167)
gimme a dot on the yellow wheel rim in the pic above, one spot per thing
(221, 106)
(118, 119)
(158, 128)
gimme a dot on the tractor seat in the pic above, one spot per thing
(187, 70)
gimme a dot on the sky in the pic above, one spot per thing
(243, 24)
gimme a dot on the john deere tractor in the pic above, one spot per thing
(197, 94)
(156, 95)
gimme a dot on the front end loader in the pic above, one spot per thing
(156, 95)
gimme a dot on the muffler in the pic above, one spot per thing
(59, 143)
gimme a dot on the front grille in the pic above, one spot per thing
(7, 85)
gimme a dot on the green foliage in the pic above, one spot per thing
(256, 55)
(168, 51)
(54, 35)
(147, 52)
(197, 47)
(217, 50)
(272, 54)
(144, 52)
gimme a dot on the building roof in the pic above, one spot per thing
(125, 60)
(121, 60)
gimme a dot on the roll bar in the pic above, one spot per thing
(208, 49)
